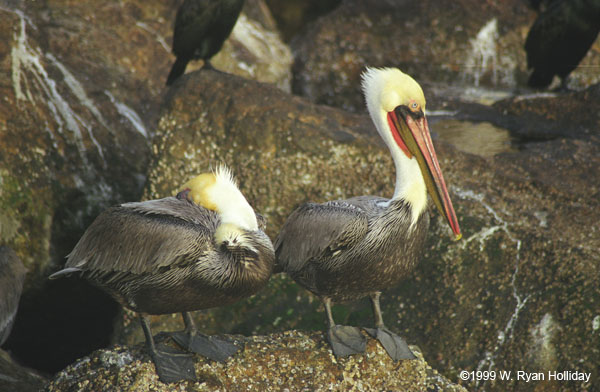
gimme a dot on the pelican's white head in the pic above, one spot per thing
(218, 192)
(396, 104)
(385, 89)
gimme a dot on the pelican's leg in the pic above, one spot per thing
(207, 346)
(344, 340)
(395, 346)
(171, 365)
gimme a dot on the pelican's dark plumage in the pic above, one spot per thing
(559, 39)
(348, 249)
(12, 275)
(201, 249)
(201, 27)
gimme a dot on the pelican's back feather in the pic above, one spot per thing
(144, 237)
(313, 230)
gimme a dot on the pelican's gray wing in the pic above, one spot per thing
(144, 237)
(316, 231)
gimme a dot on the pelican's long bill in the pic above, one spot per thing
(411, 132)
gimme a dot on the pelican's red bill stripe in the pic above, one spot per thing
(419, 130)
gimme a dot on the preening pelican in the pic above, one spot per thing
(12, 275)
(201, 27)
(201, 249)
(343, 250)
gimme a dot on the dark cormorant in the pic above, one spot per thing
(348, 249)
(559, 38)
(201, 27)
(201, 249)
(12, 275)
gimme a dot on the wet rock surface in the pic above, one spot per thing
(520, 291)
(16, 378)
(292, 360)
(81, 86)
(517, 292)
(72, 143)
(466, 42)
(73, 131)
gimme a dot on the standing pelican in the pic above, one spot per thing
(12, 275)
(347, 249)
(203, 248)
(201, 27)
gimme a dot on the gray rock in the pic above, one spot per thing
(17, 378)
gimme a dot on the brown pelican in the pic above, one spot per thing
(12, 275)
(347, 249)
(560, 38)
(201, 27)
(203, 248)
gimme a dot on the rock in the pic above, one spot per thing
(72, 143)
(16, 378)
(81, 86)
(553, 115)
(282, 147)
(72, 130)
(519, 292)
(256, 53)
(254, 49)
(12, 275)
(529, 216)
(293, 15)
(457, 42)
(291, 360)
(528, 117)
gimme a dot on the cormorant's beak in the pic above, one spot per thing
(412, 135)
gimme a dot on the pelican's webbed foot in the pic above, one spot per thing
(346, 340)
(173, 365)
(208, 346)
(396, 347)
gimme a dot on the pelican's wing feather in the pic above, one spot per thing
(313, 232)
(145, 237)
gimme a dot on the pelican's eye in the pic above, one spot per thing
(414, 106)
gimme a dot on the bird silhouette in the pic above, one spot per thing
(201, 27)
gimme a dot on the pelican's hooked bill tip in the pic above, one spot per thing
(457, 237)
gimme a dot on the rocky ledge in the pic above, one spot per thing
(291, 360)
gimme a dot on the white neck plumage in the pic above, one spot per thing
(232, 206)
(410, 185)
(236, 220)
